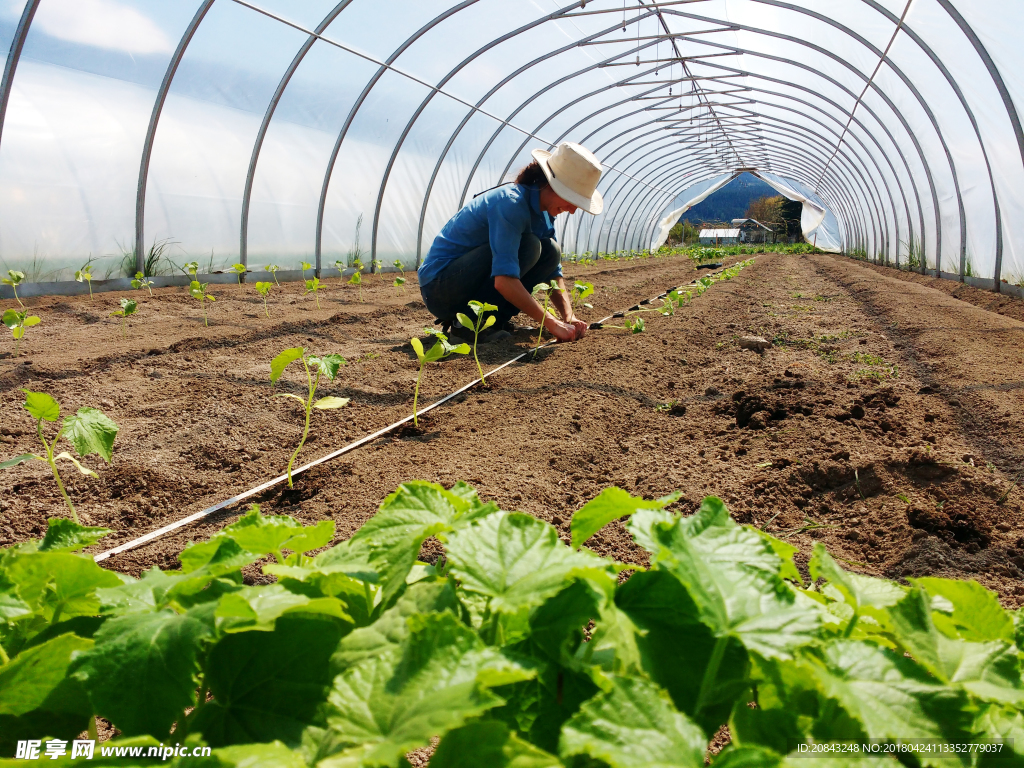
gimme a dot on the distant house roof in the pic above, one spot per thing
(719, 233)
(741, 222)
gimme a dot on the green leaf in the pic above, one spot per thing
(491, 320)
(283, 360)
(19, 460)
(91, 432)
(272, 755)
(59, 584)
(142, 672)
(514, 559)
(260, 607)
(773, 727)
(490, 744)
(329, 403)
(407, 517)
(31, 320)
(34, 674)
(676, 648)
(268, 686)
(328, 365)
(65, 535)
(977, 613)
(465, 321)
(462, 349)
(12, 318)
(733, 576)
(859, 591)
(610, 504)
(41, 406)
(438, 679)
(260, 535)
(887, 696)
(417, 347)
(634, 725)
(988, 670)
(785, 551)
(145, 595)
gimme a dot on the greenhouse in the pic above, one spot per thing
(650, 392)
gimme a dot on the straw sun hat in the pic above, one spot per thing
(573, 173)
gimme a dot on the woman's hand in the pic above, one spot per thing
(561, 331)
(580, 326)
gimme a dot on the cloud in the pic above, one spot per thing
(103, 23)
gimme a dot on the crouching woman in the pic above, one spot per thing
(502, 244)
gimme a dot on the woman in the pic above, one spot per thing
(501, 245)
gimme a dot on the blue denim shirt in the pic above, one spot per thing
(499, 218)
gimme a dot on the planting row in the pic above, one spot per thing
(514, 647)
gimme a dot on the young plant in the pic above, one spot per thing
(341, 267)
(439, 351)
(634, 325)
(142, 282)
(397, 263)
(14, 279)
(305, 265)
(191, 269)
(580, 292)
(357, 280)
(18, 322)
(480, 309)
(263, 289)
(198, 292)
(84, 275)
(547, 289)
(327, 366)
(239, 269)
(378, 267)
(128, 308)
(89, 431)
(272, 269)
(398, 283)
(313, 286)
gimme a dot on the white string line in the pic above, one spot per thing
(424, 83)
(152, 535)
(863, 93)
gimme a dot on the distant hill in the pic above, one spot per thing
(731, 201)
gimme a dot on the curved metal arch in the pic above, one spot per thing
(917, 94)
(906, 127)
(1004, 93)
(636, 199)
(355, 108)
(154, 120)
(881, 93)
(632, 149)
(633, 195)
(243, 243)
(464, 63)
(14, 56)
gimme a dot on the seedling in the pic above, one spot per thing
(634, 325)
(239, 269)
(84, 275)
(341, 267)
(128, 308)
(480, 309)
(398, 283)
(439, 351)
(272, 269)
(580, 291)
(357, 264)
(328, 366)
(263, 289)
(397, 263)
(89, 431)
(18, 322)
(547, 289)
(197, 291)
(191, 269)
(141, 281)
(305, 265)
(313, 286)
(357, 280)
(378, 267)
(14, 279)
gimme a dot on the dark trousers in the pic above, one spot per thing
(469, 278)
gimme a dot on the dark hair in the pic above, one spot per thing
(532, 175)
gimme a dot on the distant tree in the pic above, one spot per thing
(767, 210)
(683, 232)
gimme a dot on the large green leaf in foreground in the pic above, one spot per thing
(489, 744)
(435, 681)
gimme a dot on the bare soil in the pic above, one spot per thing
(885, 420)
